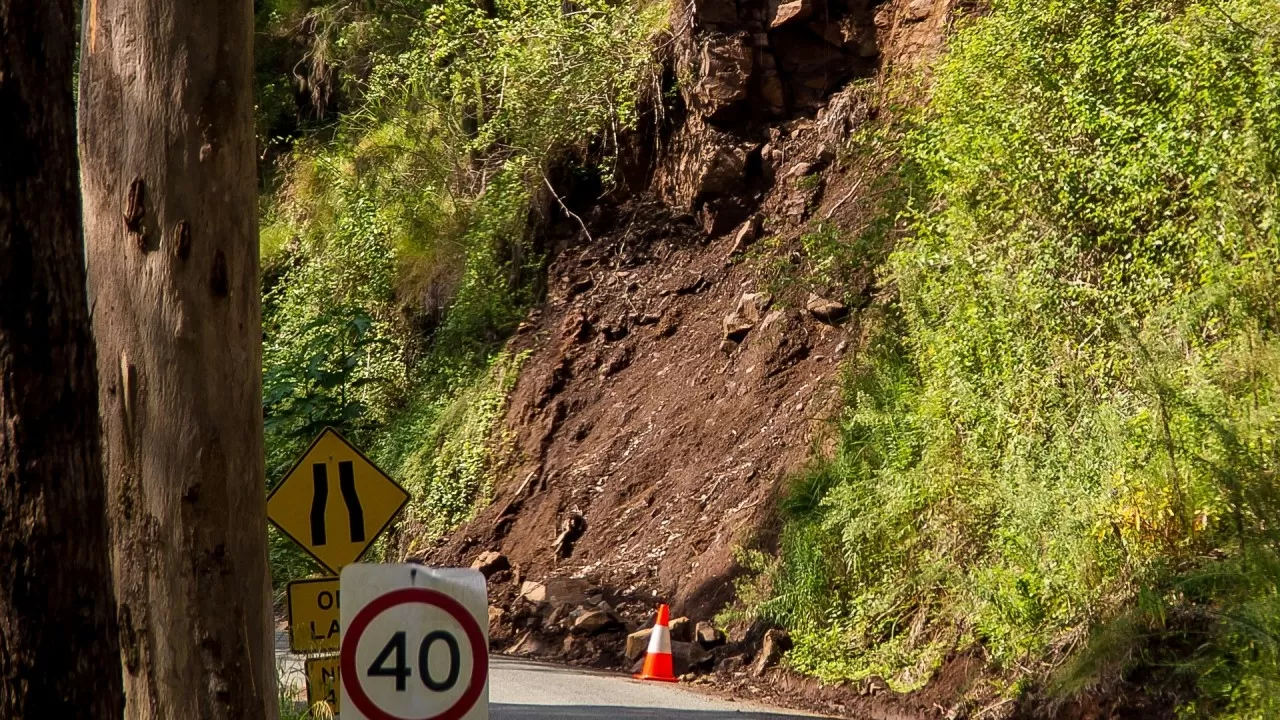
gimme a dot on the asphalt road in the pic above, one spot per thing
(523, 690)
(526, 690)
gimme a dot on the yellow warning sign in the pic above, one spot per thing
(314, 615)
(323, 685)
(334, 502)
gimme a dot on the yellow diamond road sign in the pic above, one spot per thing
(334, 502)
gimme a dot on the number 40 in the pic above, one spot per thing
(401, 672)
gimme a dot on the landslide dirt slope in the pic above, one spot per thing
(635, 430)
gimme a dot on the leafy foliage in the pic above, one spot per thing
(445, 447)
(396, 242)
(1080, 416)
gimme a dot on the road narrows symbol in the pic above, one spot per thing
(347, 481)
(320, 501)
(320, 476)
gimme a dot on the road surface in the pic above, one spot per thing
(523, 690)
(527, 690)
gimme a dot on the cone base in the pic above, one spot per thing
(655, 677)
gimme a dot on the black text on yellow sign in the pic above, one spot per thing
(323, 685)
(334, 502)
(314, 615)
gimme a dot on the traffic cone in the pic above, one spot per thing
(657, 661)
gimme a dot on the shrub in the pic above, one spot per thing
(1078, 406)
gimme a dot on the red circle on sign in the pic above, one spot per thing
(406, 596)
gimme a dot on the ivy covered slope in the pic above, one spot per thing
(1063, 447)
(405, 150)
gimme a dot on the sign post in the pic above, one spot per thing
(415, 643)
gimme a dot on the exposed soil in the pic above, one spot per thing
(632, 417)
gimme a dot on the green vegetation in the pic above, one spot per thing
(1065, 436)
(402, 200)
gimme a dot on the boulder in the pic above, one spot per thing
(688, 656)
(557, 616)
(748, 233)
(731, 664)
(490, 562)
(750, 309)
(637, 643)
(793, 11)
(574, 525)
(828, 311)
(681, 630)
(708, 636)
(775, 643)
(800, 170)
(594, 621)
(735, 329)
(497, 623)
(531, 644)
(557, 591)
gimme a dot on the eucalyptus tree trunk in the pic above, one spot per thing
(167, 169)
(59, 654)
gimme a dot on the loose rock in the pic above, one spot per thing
(735, 329)
(490, 562)
(731, 664)
(687, 657)
(594, 621)
(708, 636)
(792, 11)
(828, 311)
(681, 629)
(637, 643)
(751, 307)
(558, 616)
(747, 234)
(530, 644)
(776, 642)
(557, 591)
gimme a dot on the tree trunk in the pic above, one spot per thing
(167, 168)
(59, 651)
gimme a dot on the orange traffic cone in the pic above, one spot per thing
(657, 661)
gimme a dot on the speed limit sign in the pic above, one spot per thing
(415, 643)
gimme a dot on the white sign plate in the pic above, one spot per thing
(415, 643)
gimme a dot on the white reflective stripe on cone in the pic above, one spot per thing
(660, 640)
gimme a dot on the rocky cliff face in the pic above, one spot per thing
(747, 67)
(668, 395)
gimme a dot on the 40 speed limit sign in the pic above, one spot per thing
(415, 643)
